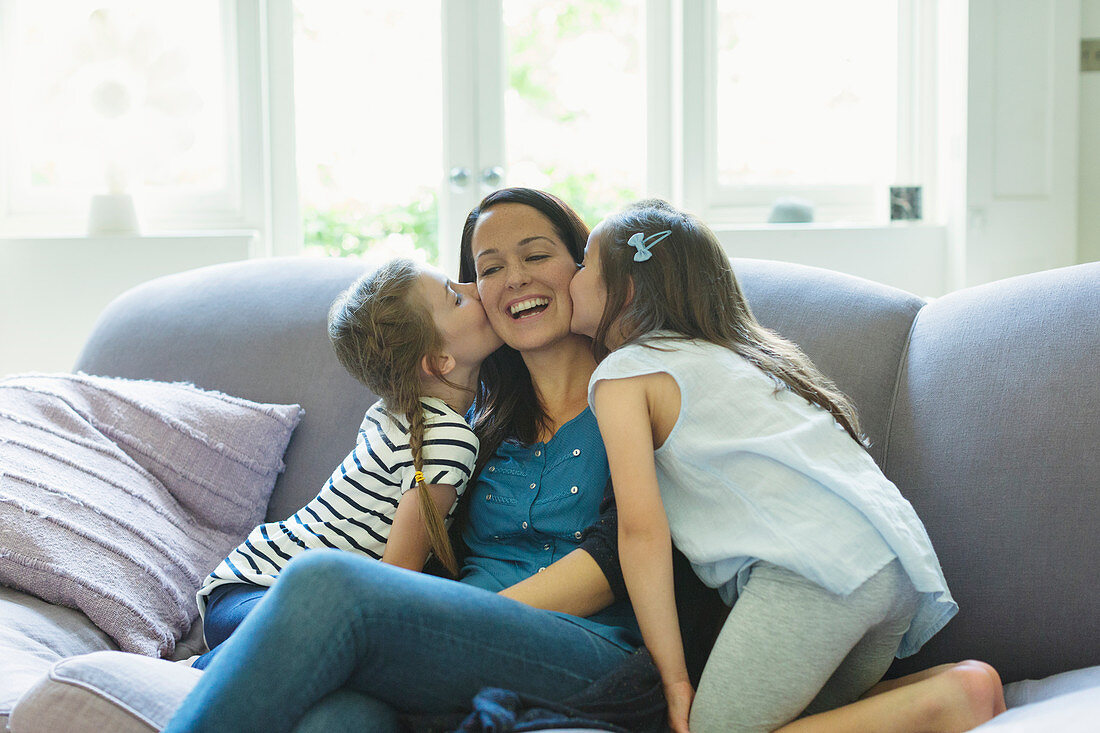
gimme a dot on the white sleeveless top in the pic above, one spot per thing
(749, 473)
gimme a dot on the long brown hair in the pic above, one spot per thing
(381, 329)
(688, 287)
(506, 406)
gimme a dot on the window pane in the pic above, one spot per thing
(807, 92)
(116, 95)
(575, 107)
(368, 98)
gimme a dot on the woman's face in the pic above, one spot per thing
(523, 271)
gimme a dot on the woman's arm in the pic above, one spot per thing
(575, 584)
(645, 543)
(408, 545)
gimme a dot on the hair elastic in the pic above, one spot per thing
(644, 244)
(418, 477)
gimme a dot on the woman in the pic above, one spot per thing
(341, 642)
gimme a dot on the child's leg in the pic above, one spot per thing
(783, 641)
(226, 608)
(946, 699)
(871, 657)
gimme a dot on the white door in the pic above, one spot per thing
(409, 113)
(1022, 138)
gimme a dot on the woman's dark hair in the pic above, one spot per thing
(506, 406)
(688, 287)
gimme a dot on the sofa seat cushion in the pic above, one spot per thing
(35, 634)
(1072, 712)
(105, 691)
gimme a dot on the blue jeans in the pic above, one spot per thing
(341, 642)
(226, 607)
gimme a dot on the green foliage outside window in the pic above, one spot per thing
(351, 230)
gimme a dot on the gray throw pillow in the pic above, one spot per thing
(117, 496)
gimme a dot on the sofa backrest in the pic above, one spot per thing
(854, 330)
(254, 329)
(995, 439)
(982, 406)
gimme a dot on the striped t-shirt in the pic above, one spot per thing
(355, 508)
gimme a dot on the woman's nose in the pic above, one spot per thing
(516, 276)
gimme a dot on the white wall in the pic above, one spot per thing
(1088, 210)
(52, 290)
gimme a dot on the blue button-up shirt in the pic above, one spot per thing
(530, 507)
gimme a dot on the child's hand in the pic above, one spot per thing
(679, 696)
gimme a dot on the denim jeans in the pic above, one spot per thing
(344, 642)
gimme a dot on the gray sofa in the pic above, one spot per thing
(983, 407)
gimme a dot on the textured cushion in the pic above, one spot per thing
(104, 691)
(118, 496)
(1074, 712)
(254, 329)
(854, 330)
(994, 441)
(35, 634)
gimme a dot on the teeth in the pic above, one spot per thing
(531, 303)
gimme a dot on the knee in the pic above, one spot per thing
(319, 571)
(347, 710)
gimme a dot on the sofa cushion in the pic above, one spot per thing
(118, 496)
(1074, 712)
(255, 329)
(104, 691)
(35, 634)
(993, 440)
(854, 330)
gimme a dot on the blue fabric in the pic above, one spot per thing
(226, 607)
(413, 642)
(531, 506)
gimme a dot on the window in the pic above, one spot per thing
(380, 125)
(805, 100)
(119, 97)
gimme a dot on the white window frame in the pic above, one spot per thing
(683, 121)
(261, 191)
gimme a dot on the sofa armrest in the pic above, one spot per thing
(104, 691)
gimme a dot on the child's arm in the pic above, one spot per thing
(645, 544)
(408, 545)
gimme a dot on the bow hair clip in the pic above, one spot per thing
(644, 244)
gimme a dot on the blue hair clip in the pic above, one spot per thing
(643, 243)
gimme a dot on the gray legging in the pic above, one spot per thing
(789, 646)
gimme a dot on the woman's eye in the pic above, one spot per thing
(487, 271)
(533, 258)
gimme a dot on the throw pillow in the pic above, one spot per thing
(117, 496)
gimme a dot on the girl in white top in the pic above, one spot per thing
(724, 438)
(417, 340)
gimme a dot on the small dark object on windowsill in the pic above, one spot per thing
(905, 203)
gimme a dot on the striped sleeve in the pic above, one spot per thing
(450, 449)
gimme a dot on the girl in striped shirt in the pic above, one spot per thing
(417, 340)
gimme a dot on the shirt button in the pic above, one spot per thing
(573, 490)
(533, 485)
(546, 547)
(576, 451)
(488, 497)
(525, 525)
(538, 453)
(541, 569)
(492, 468)
(577, 535)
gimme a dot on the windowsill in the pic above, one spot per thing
(912, 256)
(151, 236)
